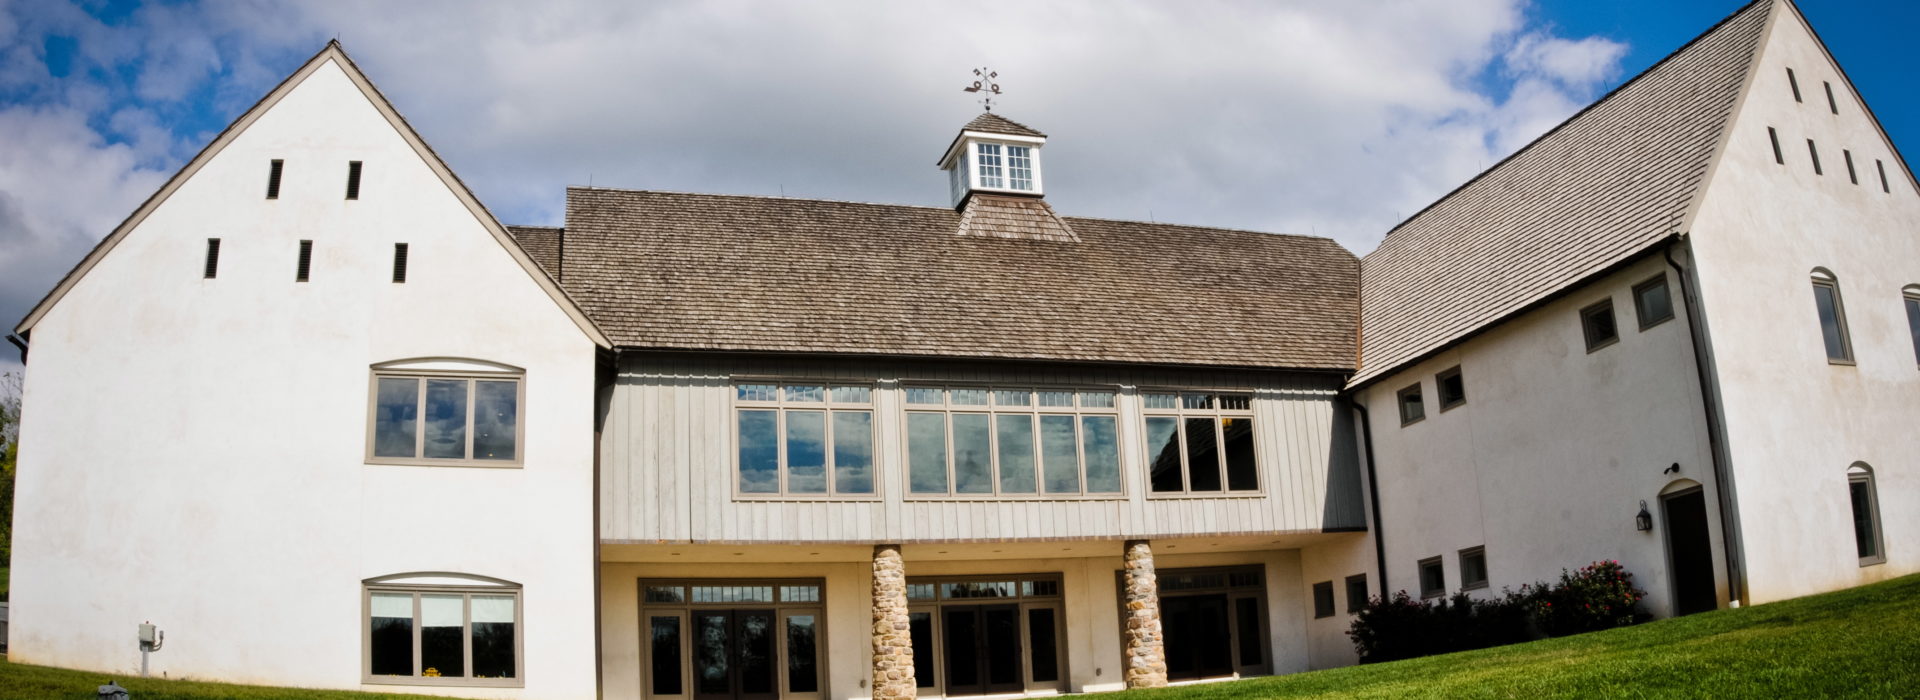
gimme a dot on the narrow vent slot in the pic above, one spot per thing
(1882, 167)
(1774, 136)
(399, 263)
(273, 178)
(306, 262)
(1831, 105)
(353, 179)
(1795, 84)
(213, 257)
(1852, 176)
(1814, 152)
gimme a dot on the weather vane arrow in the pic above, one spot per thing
(984, 83)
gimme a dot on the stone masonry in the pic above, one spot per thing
(1146, 655)
(892, 638)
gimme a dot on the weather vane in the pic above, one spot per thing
(984, 83)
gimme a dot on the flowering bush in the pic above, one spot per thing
(1598, 596)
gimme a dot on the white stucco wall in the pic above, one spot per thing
(1328, 645)
(1547, 462)
(1795, 422)
(193, 449)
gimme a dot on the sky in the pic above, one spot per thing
(1329, 119)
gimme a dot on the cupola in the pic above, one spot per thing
(994, 155)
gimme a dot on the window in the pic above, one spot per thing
(990, 168)
(733, 638)
(1833, 318)
(1774, 136)
(1866, 515)
(1020, 167)
(1852, 175)
(213, 258)
(448, 413)
(1452, 389)
(1912, 301)
(804, 439)
(399, 263)
(1652, 302)
(1323, 599)
(1473, 568)
(1882, 167)
(1197, 440)
(273, 179)
(1814, 153)
(1795, 84)
(1433, 578)
(1597, 324)
(1356, 593)
(1831, 105)
(1412, 409)
(987, 634)
(434, 633)
(353, 179)
(305, 264)
(984, 441)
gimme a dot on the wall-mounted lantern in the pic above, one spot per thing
(1644, 521)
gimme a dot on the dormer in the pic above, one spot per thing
(996, 155)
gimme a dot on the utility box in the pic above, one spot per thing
(147, 634)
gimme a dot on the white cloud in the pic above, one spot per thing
(1578, 63)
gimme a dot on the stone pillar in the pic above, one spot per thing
(1146, 655)
(892, 636)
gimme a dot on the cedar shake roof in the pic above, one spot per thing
(991, 123)
(542, 243)
(1013, 217)
(1608, 184)
(666, 270)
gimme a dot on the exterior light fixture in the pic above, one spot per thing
(1644, 521)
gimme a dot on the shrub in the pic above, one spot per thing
(1598, 596)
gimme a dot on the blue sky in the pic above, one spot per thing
(1335, 119)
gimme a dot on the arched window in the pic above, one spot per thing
(1833, 317)
(1911, 296)
(1866, 514)
(435, 628)
(446, 411)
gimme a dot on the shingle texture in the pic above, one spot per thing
(1012, 217)
(713, 272)
(1606, 185)
(542, 243)
(991, 123)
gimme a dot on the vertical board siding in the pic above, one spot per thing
(668, 467)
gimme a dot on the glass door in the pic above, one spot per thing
(982, 644)
(733, 655)
(1196, 636)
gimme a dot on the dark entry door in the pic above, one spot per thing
(733, 654)
(1198, 642)
(982, 645)
(1690, 551)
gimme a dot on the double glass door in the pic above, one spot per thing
(1197, 638)
(982, 645)
(725, 640)
(733, 655)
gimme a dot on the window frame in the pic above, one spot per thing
(1824, 279)
(404, 370)
(974, 177)
(1400, 404)
(1357, 603)
(1639, 307)
(1181, 413)
(992, 409)
(1587, 313)
(1461, 561)
(780, 407)
(479, 586)
(1420, 570)
(1860, 473)
(1440, 386)
(1910, 303)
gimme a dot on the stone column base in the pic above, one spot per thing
(892, 635)
(1145, 647)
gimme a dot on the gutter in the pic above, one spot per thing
(1373, 496)
(19, 342)
(1729, 509)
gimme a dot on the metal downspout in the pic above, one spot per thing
(1373, 496)
(1729, 524)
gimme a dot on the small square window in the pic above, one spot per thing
(1323, 599)
(1473, 568)
(1597, 323)
(1356, 592)
(1652, 302)
(1412, 410)
(1433, 578)
(1453, 389)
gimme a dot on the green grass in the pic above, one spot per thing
(1863, 642)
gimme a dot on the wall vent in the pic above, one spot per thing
(353, 179)
(1774, 136)
(399, 263)
(1852, 176)
(1832, 105)
(1882, 167)
(305, 265)
(213, 256)
(1814, 152)
(273, 178)
(1795, 84)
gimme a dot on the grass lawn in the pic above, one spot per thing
(1863, 642)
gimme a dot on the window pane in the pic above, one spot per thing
(990, 165)
(972, 459)
(495, 416)
(391, 645)
(852, 452)
(803, 673)
(710, 641)
(1043, 645)
(920, 591)
(441, 621)
(920, 631)
(1235, 402)
(394, 410)
(1161, 400)
(666, 594)
(1060, 456)
(1102, 447)
(1597, 323)
(666, 655)
(758, 392)
(1163, 448)
(446, 427)
(1096, 399)
(1243, 473)
(733, 594)
(806, 394)
(759, 452)
(1913, 324)
(1019, 168)
(1016, 452)
(1247, 610)
(799, 594)
(1356, 593)
(1473, 568)
(1056, 398)
(1008, 397)
(968, 397)
(852, 394)
(1828, 304)
(1203, 455)
(1196, 401)
(1864, 537)
(806, 452)
(493, 633)
(755, 653)
(927, 452)
(925, 397)
(1654, 302)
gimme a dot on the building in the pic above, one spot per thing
(727, 446)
